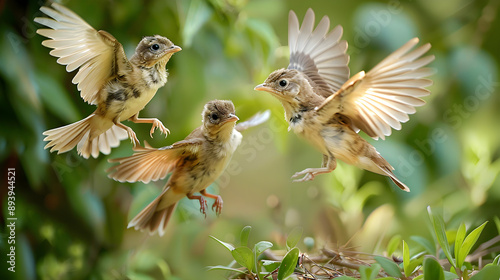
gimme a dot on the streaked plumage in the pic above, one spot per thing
(195, 163)
(120, 88)
(324, 106)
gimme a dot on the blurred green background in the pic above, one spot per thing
(72, 219)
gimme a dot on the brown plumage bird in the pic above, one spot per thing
(195, 163)
(328, 109)
(119, 87)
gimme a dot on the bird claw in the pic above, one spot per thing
(133, 137)
(158, 124)
(218, 205)
(308, 176)
(203, 206)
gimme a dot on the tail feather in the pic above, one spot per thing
(87, 135)
(65, 138)
(151, 219)
(384, 168)
(396, 181)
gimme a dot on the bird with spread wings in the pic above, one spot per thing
(328, 108)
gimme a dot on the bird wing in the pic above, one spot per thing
(97, 54)
(255, 120)
(150, 164)
(383, 97)
(318, 54)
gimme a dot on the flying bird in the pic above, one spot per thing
(326, 107)
(194, 164)
(119, 87)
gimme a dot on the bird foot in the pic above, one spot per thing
(218, 205)
(308, 176)
(158, 124)
(133, 137)
(203, 206)
(310, 173)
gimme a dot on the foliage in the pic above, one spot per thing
(424, 263)
(255, 266)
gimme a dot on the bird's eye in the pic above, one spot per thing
(214, 116)
(155, 47)
(283, 83)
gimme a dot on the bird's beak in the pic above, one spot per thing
(272, 91)
(232, 118)
(174, 49)
(263, 87)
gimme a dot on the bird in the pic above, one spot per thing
(119, 87)
(327, 108)
(194, 164)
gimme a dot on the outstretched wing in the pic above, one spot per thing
(77, 45)
(255, 120)
(150, 164)
(318, 54)
(383, 97)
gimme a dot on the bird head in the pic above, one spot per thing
(154, 49)
(284, 84)
(219, 118)
(292, 88)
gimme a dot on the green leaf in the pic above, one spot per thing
(258, 249)
(433, 270)
(496, 261)
(450, 275)
(439, 230)
(393, 244)
(497, 223)
(451, 234)
(469, 241)
(459, 239)
(389, 266)
(414, 263)
(425, 243)
(228, 246)
(270, 265)
(410, 264)
(487, 273)
(369, 272)
(293, 237)
(288, 264)
(406, 259)
(261, 247)
(345, 278)
(245, 232)
(226, 268)
(244, 256)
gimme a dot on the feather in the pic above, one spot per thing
(321, 56)
(78, 45)
(385, 95)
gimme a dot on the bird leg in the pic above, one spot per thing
(218, 201)
(324, 162)
(155, 124)
(203, 203)
(131, 133)
(328, 165)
